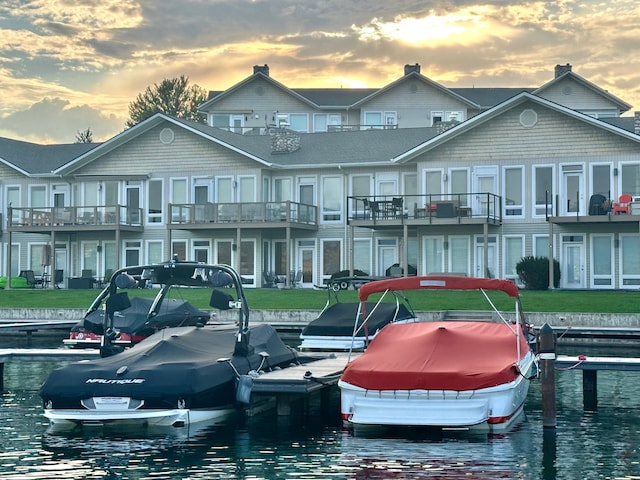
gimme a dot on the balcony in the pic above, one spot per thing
(441, 209)
(47, 219)
(252, 214)
(599, 210)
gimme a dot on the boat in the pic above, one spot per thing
(158, 303)
(450, 375)
(177, 376)
(334, 328)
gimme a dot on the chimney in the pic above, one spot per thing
(264, 69)
(636, 123)
(411, 68)
(562, 69)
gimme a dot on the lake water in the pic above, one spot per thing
(602, 445)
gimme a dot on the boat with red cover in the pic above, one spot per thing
(446, 374)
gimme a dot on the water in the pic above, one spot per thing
(602, 445)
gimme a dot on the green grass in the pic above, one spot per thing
(308, 299)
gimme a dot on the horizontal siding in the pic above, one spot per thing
(577, 96)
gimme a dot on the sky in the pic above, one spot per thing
(69, 65)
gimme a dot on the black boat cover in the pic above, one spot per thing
(338, 319)
(135, 319)
(177, 363)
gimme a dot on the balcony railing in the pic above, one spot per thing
(242, 213)
(74, 216)
(427, 208)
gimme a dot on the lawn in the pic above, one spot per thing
(614, 301)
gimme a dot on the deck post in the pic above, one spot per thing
(590, 390)
(547, 355)
(2, 377)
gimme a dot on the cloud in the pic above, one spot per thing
(54, 120)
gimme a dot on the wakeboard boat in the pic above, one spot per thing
(177, 376)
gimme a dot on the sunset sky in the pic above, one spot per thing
(69, 65)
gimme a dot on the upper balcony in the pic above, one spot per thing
(48, 219)
(247, 215)
(440, 209)
(600, 209)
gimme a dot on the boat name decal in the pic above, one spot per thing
(115, 381)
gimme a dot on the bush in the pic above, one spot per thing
(534, 273)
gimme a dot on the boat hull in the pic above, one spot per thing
(493, 409)
(177, 417)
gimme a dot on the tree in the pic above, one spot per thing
(85, 136)
(173, 97)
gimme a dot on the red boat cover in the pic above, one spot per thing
(438, 282)
(456, 356)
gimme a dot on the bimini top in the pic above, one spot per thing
(438, 356)
(438, 282)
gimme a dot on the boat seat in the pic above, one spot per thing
(220, 300)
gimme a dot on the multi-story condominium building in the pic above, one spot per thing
(298, 184)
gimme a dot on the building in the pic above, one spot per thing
(411, 176)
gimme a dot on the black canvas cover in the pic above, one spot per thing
(136, 320)
(171, 365)
(338, 319)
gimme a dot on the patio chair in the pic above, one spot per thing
(622, 205)
(30, 276)
(58, 277)
(596, 204)
(296, 280)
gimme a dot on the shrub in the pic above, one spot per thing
(534, 272)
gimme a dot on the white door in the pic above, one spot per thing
(572, 267)
(387, 256)
(573, 193)
(482, 270)
(305, 262)
(485, 181)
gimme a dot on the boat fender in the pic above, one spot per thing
(243, 390)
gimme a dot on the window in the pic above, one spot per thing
(323, 122)
(543, 190)
(458, 183)
(219, 121)
(247, 261)
(247, 187)
(601, 180)
(37, 196)
(513, 253)
(298, 122)
(154, 201)
(224, 189)
(282, 189)
(178, 196)
(331, 257)
(459, 255)
(602, 261)
(362, 255)
(154, 252)
(331, 199)
(541, 246)
(630, 260)
(380, 120)
(13, 199)
(513, 192)
(630, 177)
(446, 116)
(179, 249)
(433, 185)
(433, 255)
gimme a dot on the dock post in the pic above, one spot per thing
(590, 390)
(547, 356)
(2, 377)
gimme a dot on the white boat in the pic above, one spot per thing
(446, 374)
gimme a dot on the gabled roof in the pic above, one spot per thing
(489, 97)
(624, 106)
(250, 79)
(422, 78)
(33, 160)
(143, 127)
(486, 116)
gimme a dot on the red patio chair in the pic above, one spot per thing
(622, 205)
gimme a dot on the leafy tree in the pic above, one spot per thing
(85, 136)
(173, 97)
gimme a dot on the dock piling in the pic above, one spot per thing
(547, 355)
